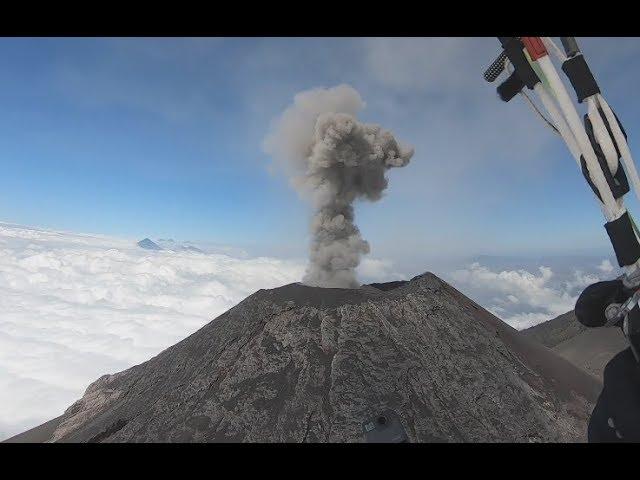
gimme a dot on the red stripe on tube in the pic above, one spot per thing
(534, 47)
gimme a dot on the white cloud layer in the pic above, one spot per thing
(74, 307)
(522, 298)
(605, 266)
(378, 270)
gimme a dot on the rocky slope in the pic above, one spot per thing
(556, 330)
(303, 364)
(588, 348)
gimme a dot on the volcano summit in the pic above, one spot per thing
(309, 364)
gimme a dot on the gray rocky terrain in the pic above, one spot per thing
(555, 331)
(305, 364)
(588, 348)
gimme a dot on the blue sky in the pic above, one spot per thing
(162, 138)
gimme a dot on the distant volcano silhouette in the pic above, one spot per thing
(149, 244)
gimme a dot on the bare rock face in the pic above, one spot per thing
(555, 331)
(303, 364)
(588, 348)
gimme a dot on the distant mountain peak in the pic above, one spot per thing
(148, 244)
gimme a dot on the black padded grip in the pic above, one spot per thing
(580, 76)
(623, 239)
(618, 183)
(510, 87)
(514, 49)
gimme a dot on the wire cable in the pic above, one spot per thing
(509, 69)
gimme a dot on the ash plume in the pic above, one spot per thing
(332, 159)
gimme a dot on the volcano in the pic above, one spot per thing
(307, 364)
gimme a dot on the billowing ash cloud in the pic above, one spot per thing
(333, 159)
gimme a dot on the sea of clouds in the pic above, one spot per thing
(526, 297)
(74, 307)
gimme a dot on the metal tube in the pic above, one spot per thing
(570, 45)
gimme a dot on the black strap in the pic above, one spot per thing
(623, 240)
(618, 183)
(510, 87)
(514, 49)
(580, 76)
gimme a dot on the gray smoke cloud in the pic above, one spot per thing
(332, 159)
